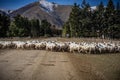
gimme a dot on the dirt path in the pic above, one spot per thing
(43, 65)
(36, 65)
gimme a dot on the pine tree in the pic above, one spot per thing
(35, 28)
(85, 19)
(101, 7)
(118, 6)
(83, 4)
(110, 6)
(66, 30)
(13, 30)
(109, 17)
(45, 27)
(86, 11)
(4, 25)
(100, 19)
(20, 27)
(109, 9)
(74, 21)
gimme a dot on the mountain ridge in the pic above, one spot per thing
(54, 13)
(35, 11)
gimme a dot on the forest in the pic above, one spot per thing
(103, 22)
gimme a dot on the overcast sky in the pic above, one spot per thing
(15, 4)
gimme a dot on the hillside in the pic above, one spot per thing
(54, 13)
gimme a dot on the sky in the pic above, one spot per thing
(15, 4)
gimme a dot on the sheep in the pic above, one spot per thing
(40, 45)
(1, 44)
(101, 48)
(74, 47)
(11, 45)
(82, 47)
(66, 47)
(110, 48)
(19, 45)
(57, 46)
(50, 46)
(6, 44)
(92, 48)
(60, 46)
(29, 46)
(37, 45)
(117, 48)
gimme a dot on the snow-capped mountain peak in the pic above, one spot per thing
(6, 11)
(47, 5)
(93, 8)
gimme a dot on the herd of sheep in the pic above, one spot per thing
(73, 47)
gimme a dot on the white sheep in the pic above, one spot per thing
(82, 47)
(19, 44)
(40, 45)
(74, 47)
(50, 46)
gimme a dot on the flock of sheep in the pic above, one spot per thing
(73, 47)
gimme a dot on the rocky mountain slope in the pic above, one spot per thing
(54, 13)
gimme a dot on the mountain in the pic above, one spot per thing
(54, 13)
(93, 8)
(2, 12)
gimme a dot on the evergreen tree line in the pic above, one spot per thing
(102, 22)
(4, 23)
(23, 27)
